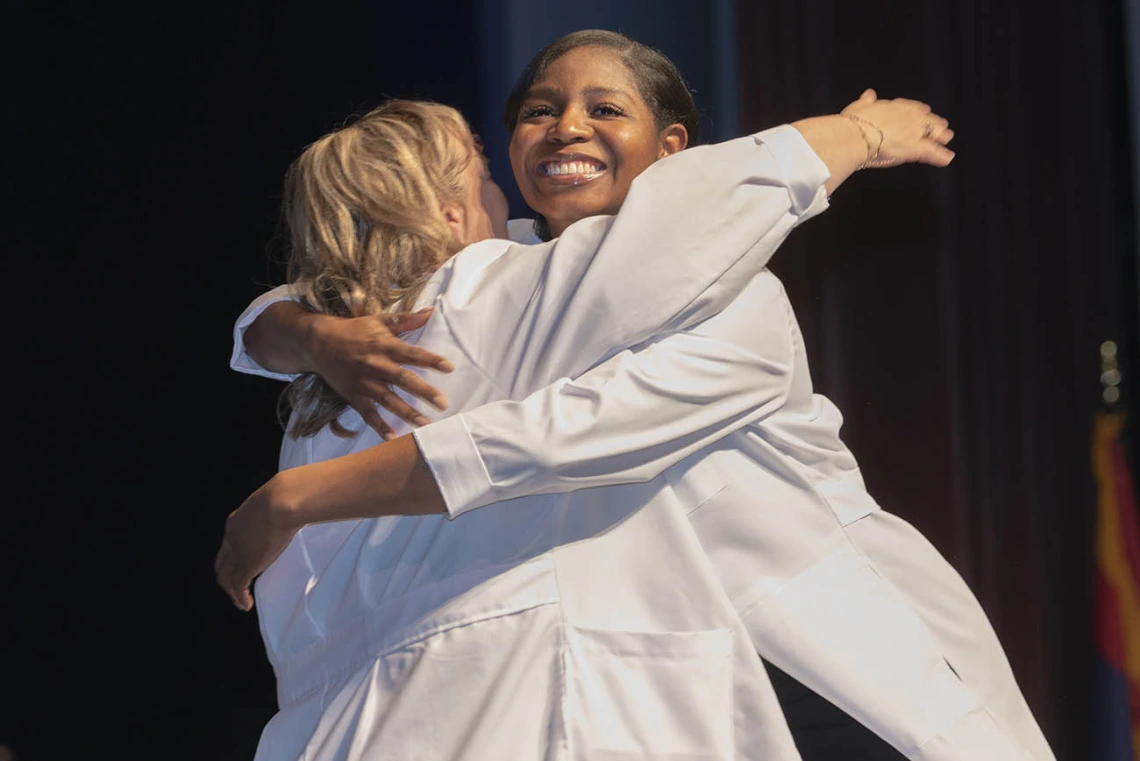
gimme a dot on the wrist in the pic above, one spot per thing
(838, 142)
(307, 337)
(286, 504)
(872, 136)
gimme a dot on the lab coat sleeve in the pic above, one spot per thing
(240, 360)
(694, 229)
(627, 419)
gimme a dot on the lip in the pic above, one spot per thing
(575, 178)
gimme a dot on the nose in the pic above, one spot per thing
(571, 127)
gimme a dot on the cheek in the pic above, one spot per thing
(495, 202)
(638, 152)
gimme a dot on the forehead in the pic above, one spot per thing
(589, 69)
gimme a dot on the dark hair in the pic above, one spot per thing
(658, 81)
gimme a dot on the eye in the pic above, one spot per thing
(607, 109)
(535, 110)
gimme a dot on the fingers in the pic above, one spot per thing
(939, 154)
(384, 396)
(233, 581)
(942, 156)
(391, 401)
(402, 410)
(936, 154)
(375, 421)
(419, 388)
(387, 399)
(406, 354)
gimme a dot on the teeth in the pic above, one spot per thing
(570, 167)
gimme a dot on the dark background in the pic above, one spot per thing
(954, 316)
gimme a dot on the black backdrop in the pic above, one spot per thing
(954, 317)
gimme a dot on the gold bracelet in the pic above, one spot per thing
(872, 153)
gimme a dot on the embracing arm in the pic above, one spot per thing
(693, 230)
(570, 435)
(273, 346)
(278, 338)
(286, 340)
(625, 420)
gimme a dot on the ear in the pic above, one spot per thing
(674, 138)
(456, 218)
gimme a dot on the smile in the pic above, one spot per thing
(571, 169)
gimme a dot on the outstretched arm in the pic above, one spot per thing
(360, 358)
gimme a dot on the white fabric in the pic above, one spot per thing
(849, 600)
(588, 625)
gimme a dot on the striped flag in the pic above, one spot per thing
(1117, 701)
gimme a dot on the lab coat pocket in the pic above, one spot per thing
(637, 695)
(847, 497)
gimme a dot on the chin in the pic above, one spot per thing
(576, 211)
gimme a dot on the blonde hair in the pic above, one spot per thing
(364, 211)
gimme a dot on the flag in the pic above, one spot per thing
(1117, 612)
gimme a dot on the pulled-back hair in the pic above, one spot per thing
(658, 81)
(363, 208)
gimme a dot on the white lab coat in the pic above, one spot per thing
(585, 625)
(846, 598)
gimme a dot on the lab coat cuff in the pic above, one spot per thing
(804, 171)
(240, 360)
(455, 462)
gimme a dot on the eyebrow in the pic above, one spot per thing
(551, 93)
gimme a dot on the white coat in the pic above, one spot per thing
(585, 625)
(846, 598)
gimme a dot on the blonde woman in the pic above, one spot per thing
(372, 211)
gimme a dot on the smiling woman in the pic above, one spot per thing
(625, 100)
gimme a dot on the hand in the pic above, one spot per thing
(911, 131)
(362, 360)
(255, 535)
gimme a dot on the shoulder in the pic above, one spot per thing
(460, 271)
